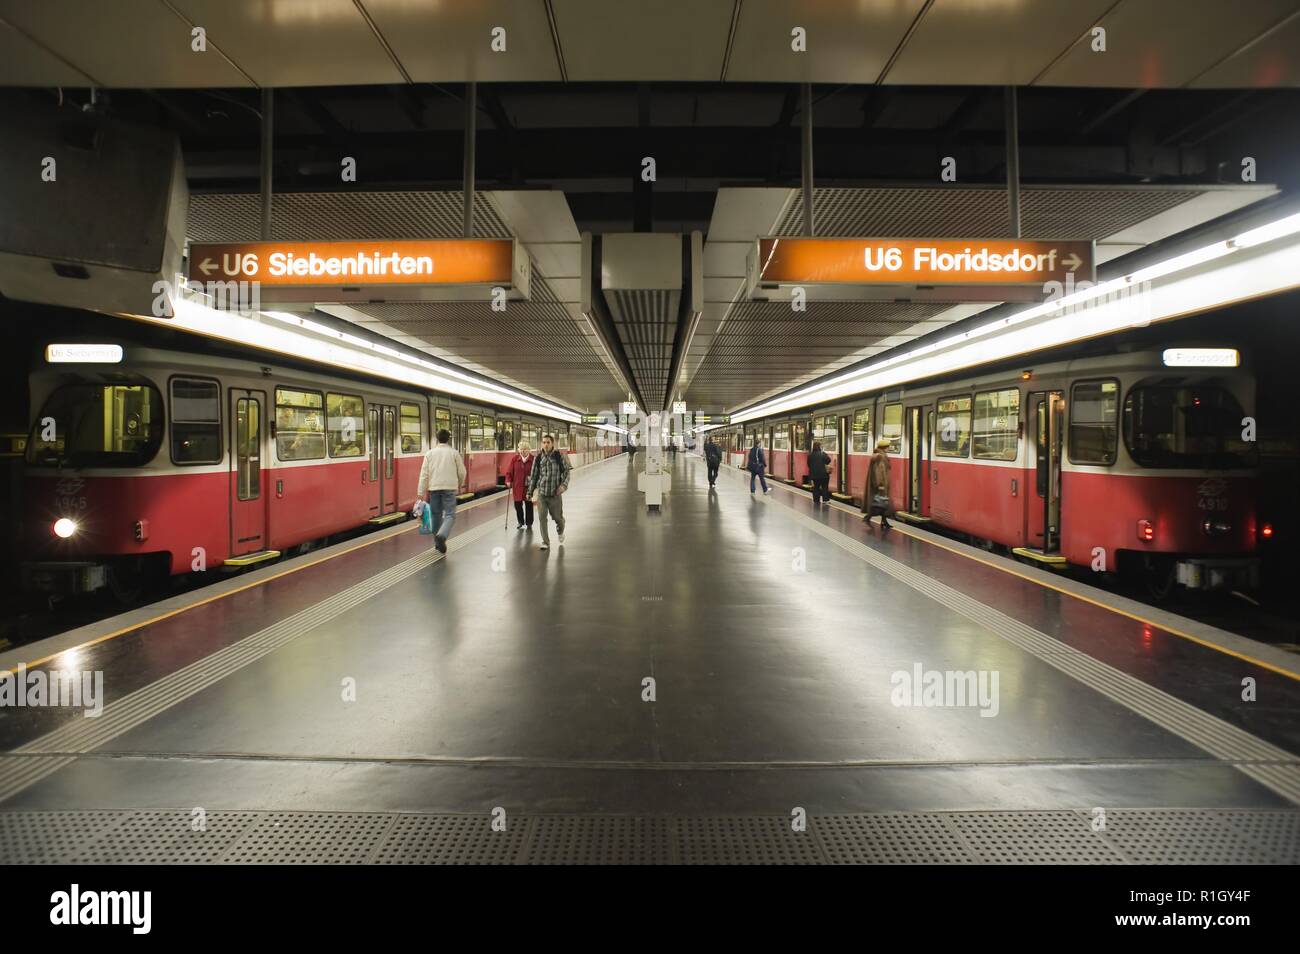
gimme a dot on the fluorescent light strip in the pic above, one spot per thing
(343, 350)
(967, 350)
(507, 394)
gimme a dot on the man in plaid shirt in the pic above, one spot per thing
(549, 479)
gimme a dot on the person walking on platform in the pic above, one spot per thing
(756, 464)
(521, 465)
(876, 500)
(819, 469)
(713, 458)
(547, 482)
(441, 475)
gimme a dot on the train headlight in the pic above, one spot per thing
(63, 527)
(1216, 528)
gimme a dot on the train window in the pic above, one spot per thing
(482, 433)
(891, 429)
(195, 421)
(826, 432)
(441, 421)
(781, 437)
(248, 456)
(412, 429)
(299, 424)
(1193, 427)
(98, 425)
(507, 435)
(997, 424)
(1094, 414)
(345, 425)
(952, 427)
(862, 431)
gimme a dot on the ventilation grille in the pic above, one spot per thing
(764, 347)
(647, 323)
(962, 212)
(1129, 836)
(535, 345)
(325, 216)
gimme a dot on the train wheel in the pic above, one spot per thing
(1161, 579)
(127, 579)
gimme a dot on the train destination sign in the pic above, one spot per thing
(889, 261)
(332, 264)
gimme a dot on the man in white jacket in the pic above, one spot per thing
(441, 475)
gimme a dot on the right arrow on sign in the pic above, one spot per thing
(1072, 261)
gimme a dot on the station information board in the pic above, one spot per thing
(924, 261)
(405, 262)
(712, 418)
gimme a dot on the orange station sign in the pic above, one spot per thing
(888, 261)
(334, 264)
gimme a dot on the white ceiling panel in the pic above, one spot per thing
(682, 40)
(991, 42)
(1165, 43)
(440, 41)
(126, 43)
(286, 44)
(23, 61)
(849, 41)
(1267, 61)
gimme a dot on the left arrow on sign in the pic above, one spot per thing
(207, 266)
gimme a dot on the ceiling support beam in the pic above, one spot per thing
(807, 163)
(268, 120)
(471, 127)
(1013, 161)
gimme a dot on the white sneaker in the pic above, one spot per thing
(545, 546)
(561, 537)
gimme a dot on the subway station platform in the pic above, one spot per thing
(380, 702)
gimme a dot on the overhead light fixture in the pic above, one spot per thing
(300, 337)
(1111, 307)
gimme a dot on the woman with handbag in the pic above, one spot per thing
(876, 500)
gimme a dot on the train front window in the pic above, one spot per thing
(1191, 427)
(98, 425)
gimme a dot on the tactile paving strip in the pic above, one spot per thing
(1159, 836)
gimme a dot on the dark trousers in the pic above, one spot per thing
(713, 472)
(821, 489)
(520, 506)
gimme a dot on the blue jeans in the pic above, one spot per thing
(443, 505)
(762, 480)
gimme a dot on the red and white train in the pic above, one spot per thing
(1117, 463)
(166, 462)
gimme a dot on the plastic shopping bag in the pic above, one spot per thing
(426, 518)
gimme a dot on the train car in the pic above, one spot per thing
(168, 463)
(1118, 463)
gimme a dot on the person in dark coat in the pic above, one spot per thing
(521, 465)
(819, 469)
(712, 457)
(756, 464)
(876, 500)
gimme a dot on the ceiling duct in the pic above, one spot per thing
(651, 285)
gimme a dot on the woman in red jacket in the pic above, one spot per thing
(521, 465)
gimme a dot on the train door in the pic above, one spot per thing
(841, 480)
(247, 453)
(916, 460)
(382, 437)
(1044, 517)
(460, 441)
